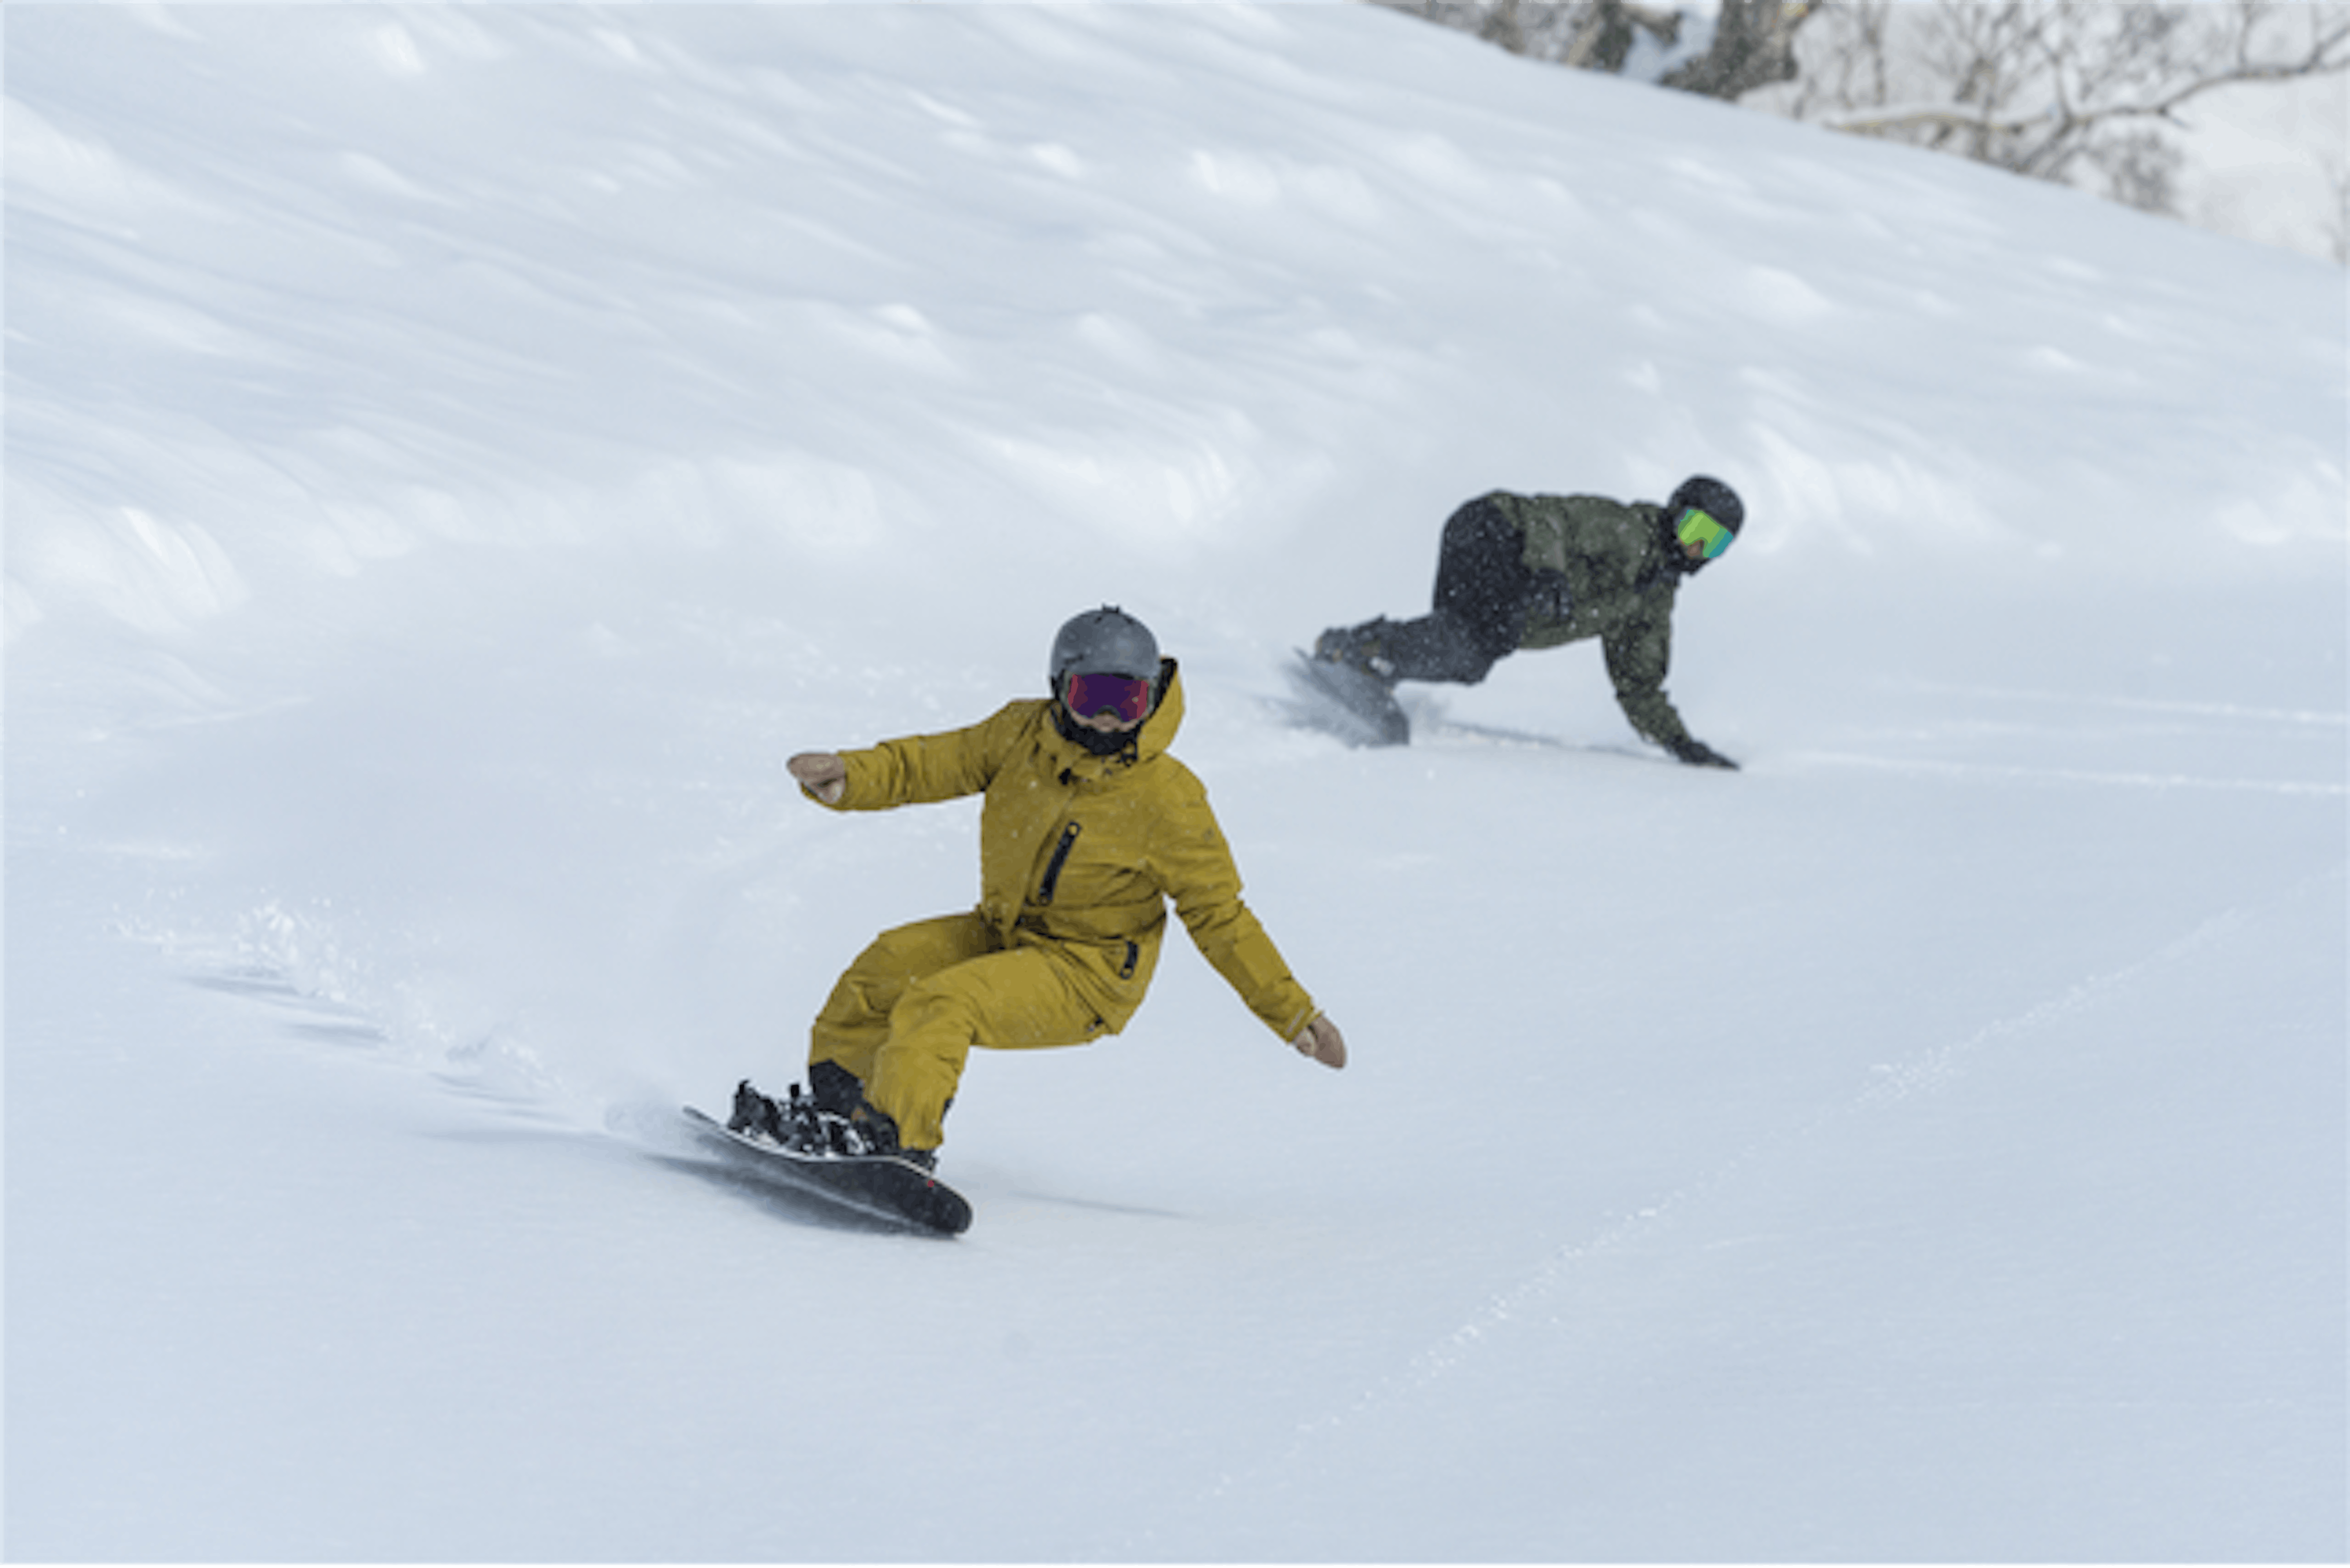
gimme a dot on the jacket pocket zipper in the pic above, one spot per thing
(1052, 867)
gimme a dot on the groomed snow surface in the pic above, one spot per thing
(456, 455)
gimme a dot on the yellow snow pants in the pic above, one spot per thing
(904, 1015)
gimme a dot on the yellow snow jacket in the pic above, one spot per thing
(1084, 852)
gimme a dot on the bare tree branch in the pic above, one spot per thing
(2087, 90)
(2045, 87)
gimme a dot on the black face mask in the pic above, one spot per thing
(1100, 743)
(1677, 561)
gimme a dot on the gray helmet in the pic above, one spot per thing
(1105, 642)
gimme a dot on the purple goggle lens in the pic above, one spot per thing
(1125, 696)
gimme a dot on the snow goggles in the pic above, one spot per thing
(1124, 696)
(1700, 528)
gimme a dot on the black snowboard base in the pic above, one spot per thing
(879, 1187)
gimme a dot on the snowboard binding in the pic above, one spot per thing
(814, 1125)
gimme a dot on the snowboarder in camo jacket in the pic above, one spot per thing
(1534, 571)
(1088, 828)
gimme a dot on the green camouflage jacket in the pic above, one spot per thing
(1613, 562)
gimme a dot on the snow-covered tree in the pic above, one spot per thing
(1723, 50)
(2083, 91)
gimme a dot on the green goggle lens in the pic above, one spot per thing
(1700, 528)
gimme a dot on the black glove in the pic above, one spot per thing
(1697, 754)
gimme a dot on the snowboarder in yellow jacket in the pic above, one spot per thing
(1088, 829)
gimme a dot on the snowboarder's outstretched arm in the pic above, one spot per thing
(915, 769)
(1193, 864)
(1638, 655)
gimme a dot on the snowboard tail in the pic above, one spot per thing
(877, 1186)
(1352, 704)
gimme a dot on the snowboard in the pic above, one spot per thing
(877, 1186)
(1352, 704)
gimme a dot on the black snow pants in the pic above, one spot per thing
(1482, 592)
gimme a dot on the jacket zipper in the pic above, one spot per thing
(1052, 867)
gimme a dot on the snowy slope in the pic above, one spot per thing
(454, 455)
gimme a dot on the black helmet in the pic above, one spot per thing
(1105, 642)
(1711, 496)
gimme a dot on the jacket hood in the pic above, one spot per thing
(1150, 738)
